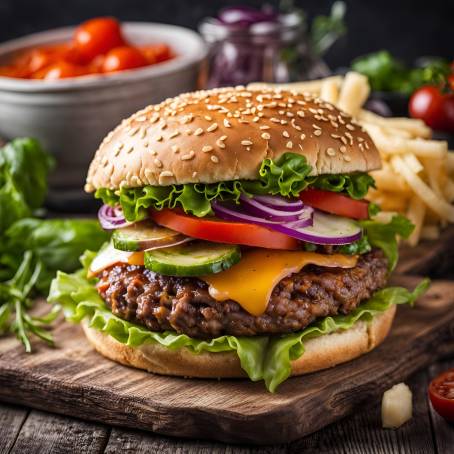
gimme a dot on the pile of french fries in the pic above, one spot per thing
(417, 177)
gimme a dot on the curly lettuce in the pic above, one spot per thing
(287, 176)
(266, 358)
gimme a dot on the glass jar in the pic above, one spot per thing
(277, 51)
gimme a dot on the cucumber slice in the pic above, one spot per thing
(146, 235)
(193, 259)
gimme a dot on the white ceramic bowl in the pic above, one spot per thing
(70, 117)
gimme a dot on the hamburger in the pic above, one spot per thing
(242, 244)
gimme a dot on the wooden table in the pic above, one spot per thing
(31, 431)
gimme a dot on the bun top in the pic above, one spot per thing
(225, 134)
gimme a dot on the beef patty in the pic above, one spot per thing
(184, 305)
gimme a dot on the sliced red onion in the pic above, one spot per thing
(245, 16)
(282, 203)
(112, 218)
(255, 207)
(233, 214)
(320, 228)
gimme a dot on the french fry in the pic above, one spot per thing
(423, 191)
(354, 92)
(387, 180)
(329, 91)
(311, 86)
(412, 162)
(450, 162)
(416, 212)
(417, 128)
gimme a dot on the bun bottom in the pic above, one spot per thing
(320, 353)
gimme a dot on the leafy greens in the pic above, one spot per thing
(32, 249)
(287, 176)
(262, 357)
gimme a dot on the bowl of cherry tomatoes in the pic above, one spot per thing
(70, 86)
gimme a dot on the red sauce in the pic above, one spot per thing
(97, 47)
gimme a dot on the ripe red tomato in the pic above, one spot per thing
(122, 58)
(97, 36)
(441, 394)
(335, 203)
(221, 231)
(60, 70)
(436, 109)
(156, 53)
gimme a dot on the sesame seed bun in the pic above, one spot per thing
(224, 134)
(320, 352)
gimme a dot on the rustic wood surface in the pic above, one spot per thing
(425, 433)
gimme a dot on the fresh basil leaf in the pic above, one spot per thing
(24, 167)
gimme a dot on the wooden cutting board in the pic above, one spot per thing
(74, 380)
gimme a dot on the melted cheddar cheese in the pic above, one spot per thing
(110, 256)
(251, 281)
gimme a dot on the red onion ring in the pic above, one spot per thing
(273, 213)
(112, 218)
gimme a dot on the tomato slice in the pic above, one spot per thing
(441, 394)
(335, 203)
(224, 231)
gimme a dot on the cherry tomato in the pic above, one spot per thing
(436, 109)
(441, 394)
(97, 36)
(335, 203)
(156, 53)
(122, 58)
(223, 231)
(451, 81)
(60, 70)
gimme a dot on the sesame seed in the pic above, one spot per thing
(158, 138)
(207, 148)
(246, 142)
(175, 148)
(360, 139)
(188, 132)
(331, 152)
(187, 157)
(316, 126)
(212, 127)
(141, 118)
(198, 132)
(314, 111)
(334, 124)
(275, 120)
(317, 132)
(265, 136)
(166, 173)
(343, 140)
(303, 136)
(347, 158)
(300, 113)
(129, 149)
(153, 152)
(158, 162)
(281, 112)
(220, 143)
(366, 144)
(174, 134)
(154, 119)
(264, 127)
(343, 148)
(289, 114)
(208, 118)
(133, 131)
(194, 174)
(289, 144)
(351, 127)
(284, 122)
(226, 123)
(214, 159)
(143, 133)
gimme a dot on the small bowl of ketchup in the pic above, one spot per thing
(70, 86)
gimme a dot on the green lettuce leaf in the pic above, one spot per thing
(24, 167)
(384, 236)
(262, 357)
(287, 176)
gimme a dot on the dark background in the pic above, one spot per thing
(407, 28)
